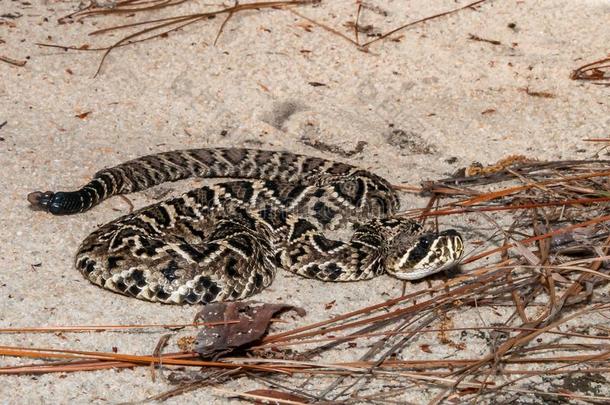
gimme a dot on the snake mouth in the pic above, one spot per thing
(431, 254)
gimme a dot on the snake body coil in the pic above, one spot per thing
(225, 242)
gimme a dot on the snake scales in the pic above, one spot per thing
(225, 241)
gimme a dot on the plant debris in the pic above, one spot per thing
(597, 72)
(11, 61)
(162, 27)
(253, 322)
(473, 37)
(541, 94)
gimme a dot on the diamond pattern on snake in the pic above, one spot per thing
(226, 241)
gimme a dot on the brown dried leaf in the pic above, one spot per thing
(249, 322)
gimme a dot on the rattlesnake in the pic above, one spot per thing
(225, 241)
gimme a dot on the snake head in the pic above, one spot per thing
(412, 258)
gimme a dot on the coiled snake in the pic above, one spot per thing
(225, 241)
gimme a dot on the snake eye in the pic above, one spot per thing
(424, 242)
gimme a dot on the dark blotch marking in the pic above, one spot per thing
(204, 283)
(138, 277)
(300, 228)
(276, 218)
(285, 193)
(170, 271)
(312, 271)
(191, 297)
(241, 190)
(160, 215)
(121, 286)
(296, 254)
(149, 247)
(193, 253)
(90, 266)
(312, 164)
(319, 193)
(326, 244)
(193, 231)
(122, 234)
(333, 271)
(82, 263)
(214, 290)
(422, 248)
(207, 297)
(242, 243)
(258, 281)
(225, 228)
(235, 156)
(113, 262)
(323, 213)
(146, 226)
(182, 209)
(231, 267)
(294, 193)
(203, 196)
(134, 290)
(162, 295)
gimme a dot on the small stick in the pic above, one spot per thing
(12, 61)
(357, 22)
(432, 17)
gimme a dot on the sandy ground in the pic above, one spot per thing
(424, 104)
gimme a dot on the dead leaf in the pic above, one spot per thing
(249, 322)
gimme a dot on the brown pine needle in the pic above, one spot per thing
(423, 20)
(100, 328)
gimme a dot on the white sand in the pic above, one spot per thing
(433, 86)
